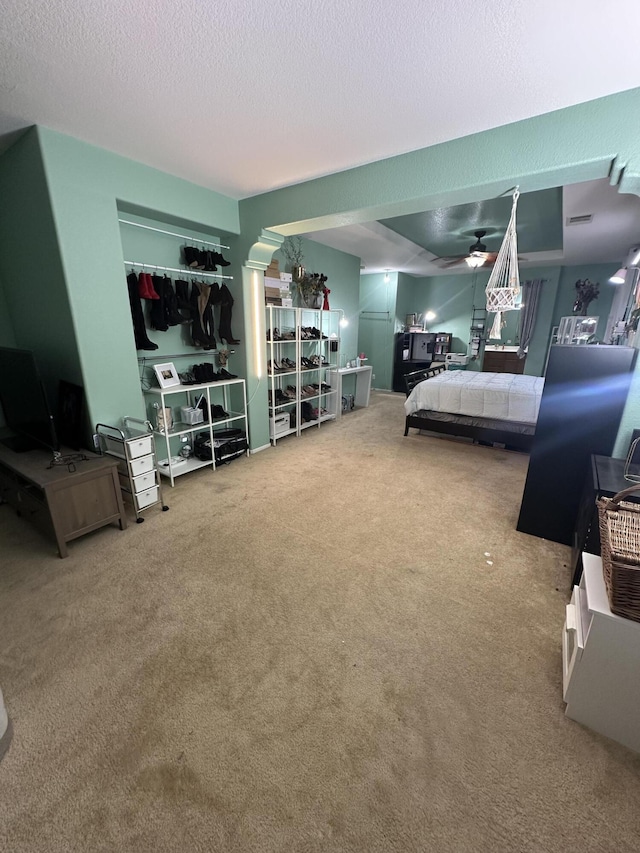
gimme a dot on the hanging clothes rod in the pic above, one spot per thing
(173, 234)
(164, 357)
(187, 273)
(375, 312)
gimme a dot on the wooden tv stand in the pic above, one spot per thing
(67, 502)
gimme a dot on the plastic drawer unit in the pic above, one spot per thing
(133, 446)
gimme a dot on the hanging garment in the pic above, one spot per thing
(157, 313)
(137, 315)
(226, 306)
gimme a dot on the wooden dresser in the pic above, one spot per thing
(64, 501)
(502, 361)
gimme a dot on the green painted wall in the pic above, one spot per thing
(377, 325)
(452, 299)
(87, 186)
(600, 307)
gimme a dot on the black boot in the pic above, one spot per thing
(182, 298)
(190, 256)
(226, 305)
(199, 299)
(137, 315)
(158, 320)
(218, 259)
(171, 314)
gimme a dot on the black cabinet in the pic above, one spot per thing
(415, 350)
(585, 391)
(605, 478)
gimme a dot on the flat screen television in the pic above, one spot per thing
(24, 403)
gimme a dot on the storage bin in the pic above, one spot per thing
(279, 424)
(619, 523)
(191, 415)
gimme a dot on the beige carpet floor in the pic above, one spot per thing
(311, 651)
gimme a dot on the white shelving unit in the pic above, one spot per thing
(309, 357)
(231, 394)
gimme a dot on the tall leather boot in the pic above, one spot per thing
(208, 322)
(171, 315)
(137, 315)
(157, 314)
(182, 298)
(145, 287)
(200, 294)
(226, 305)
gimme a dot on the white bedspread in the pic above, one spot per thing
(502, 396)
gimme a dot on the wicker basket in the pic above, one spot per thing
(620, 548)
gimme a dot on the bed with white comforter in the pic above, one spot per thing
(489, 407)
(500, 396)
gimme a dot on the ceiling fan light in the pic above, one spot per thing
(475, 261)
(619, 276)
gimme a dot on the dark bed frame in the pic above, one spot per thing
(485, 435)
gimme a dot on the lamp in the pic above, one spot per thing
(475, 261)
(427, 317)
(619, 276)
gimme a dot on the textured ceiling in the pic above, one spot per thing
(243, 97)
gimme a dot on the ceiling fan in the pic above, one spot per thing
(477, 255)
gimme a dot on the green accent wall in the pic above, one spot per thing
(87, 186)
(378, 300)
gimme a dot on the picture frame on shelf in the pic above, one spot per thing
(167, 375)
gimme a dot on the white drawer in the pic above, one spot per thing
(144, 481)
(138, 466)
(139, 447)
(146, 498)
(572, 639)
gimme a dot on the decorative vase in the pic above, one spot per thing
(298, 273)
(312, 301)
(581, 308)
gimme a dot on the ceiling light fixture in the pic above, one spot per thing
(475, 261)
(619, 276)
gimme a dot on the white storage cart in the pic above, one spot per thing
(134, 447)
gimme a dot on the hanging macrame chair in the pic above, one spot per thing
(503, 287)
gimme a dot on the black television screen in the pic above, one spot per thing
(24, 402)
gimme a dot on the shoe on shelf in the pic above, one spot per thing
(218, 411)
(224, 374)
(218, 259)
